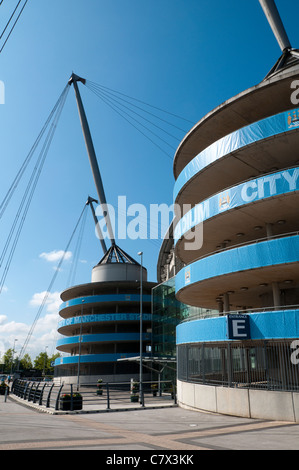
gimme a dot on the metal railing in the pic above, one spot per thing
(256, 365)
(213, 314)
(246, 243)
(93, 397)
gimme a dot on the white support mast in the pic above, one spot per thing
(91, 153)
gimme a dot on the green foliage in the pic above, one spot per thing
(67, 396)
(42, 362)
(25, 363)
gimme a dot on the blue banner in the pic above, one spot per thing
(104, 298)
(272, 252)
(274, 125)
(103, 317)
(257, 189)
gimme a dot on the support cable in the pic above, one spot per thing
(112, 100)
(137, 128)
(73, 270)
(28, 195)
(124, 108)
(28, 158)
(139, 101)
(13, 26)
(119, 99)
(11, 17)
(109, 100)
(22, 352)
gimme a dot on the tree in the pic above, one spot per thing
(41, 361)
(51, 361)
(10, 361)
(25, 363)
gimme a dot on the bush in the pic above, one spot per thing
(65, 401)
(3, 388)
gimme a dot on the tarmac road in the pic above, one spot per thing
(156, 430)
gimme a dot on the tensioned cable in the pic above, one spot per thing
(42, 153)
(28, 195)
(112, 99)
(140, 101)
(118, 99)
(50, 287)
(115, 101)
(139, 130)
(11, 17)
(27, 160)
(109, 100)
(73, 270)
(13, 26)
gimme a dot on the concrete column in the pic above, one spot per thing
(269, 229)
(276, 295)
(226, 308)
(220, 306)
(275, 287)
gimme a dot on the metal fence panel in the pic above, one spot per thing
(259, 365)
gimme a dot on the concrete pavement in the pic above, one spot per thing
(155, 430)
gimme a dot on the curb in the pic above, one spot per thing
(51, 411)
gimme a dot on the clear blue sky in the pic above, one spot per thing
(184, 56)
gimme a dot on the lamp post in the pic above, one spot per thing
(45, 356)
(140, 359)
(13, 353)
(80, 340)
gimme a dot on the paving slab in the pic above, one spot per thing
(155, 431)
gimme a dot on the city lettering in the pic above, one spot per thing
(256, 189)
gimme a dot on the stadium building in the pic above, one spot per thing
(108, 319)
(101, 322)
(236, 250)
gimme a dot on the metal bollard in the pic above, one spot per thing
(72, 398)
(108, 397)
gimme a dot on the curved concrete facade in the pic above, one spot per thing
(101, 324)
(237, 190)
(258, 404)
(243, 189)
(262, 100)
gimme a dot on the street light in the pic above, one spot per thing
(140, 359)
(45, 355)
(13, 353)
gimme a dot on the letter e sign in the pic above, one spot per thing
(238, 327)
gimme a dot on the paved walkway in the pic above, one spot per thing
(93, 404)
(155, 430)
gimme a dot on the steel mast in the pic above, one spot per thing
(90, 201)
(91, 154)
(273, 17)
(289, 55)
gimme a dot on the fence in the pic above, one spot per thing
(266, 365)
(100, 396)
